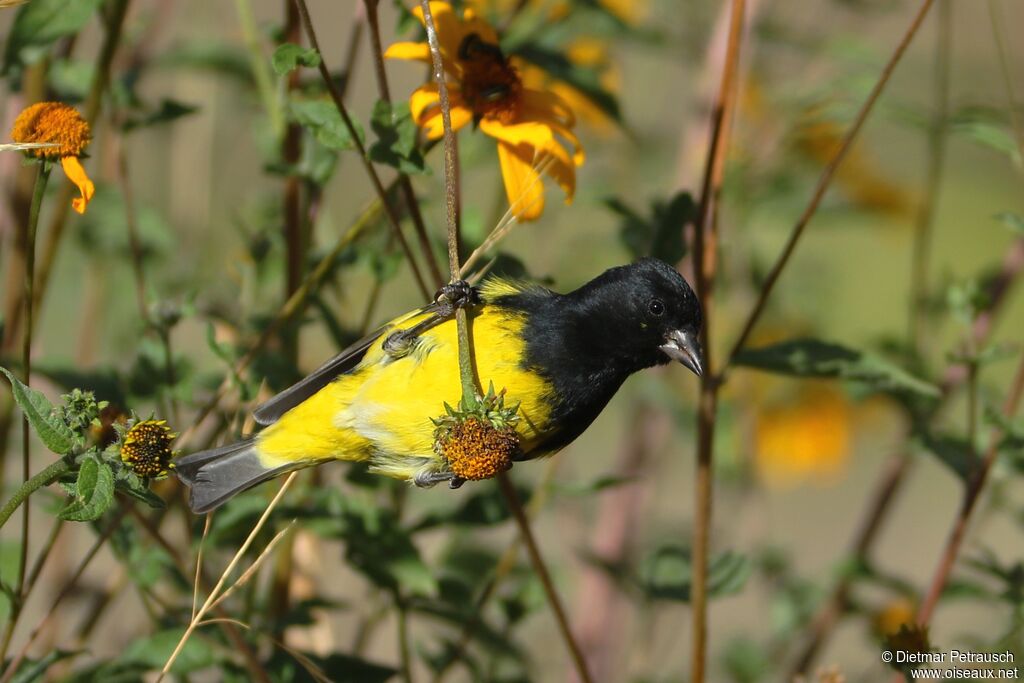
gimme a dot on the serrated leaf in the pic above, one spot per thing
(289, 56)
(322, 120)
(50, 429)
(816, 358)
(396, 138)
(41, 22)
(94, 491)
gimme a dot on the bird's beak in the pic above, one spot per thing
(683, 346)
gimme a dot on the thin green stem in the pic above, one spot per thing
(69, 587)
(260, 67)
(42, 175)
(43, 478)
(925, 223)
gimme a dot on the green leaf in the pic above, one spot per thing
(168, 110)
(396, 138)
(132, 485)
(41, 414)
(94, 491)
(666, 574)
(322, 120)
(953, 451)
(816, 358)
(154, 651)
(289, 56)
(34, 670)
(661, 233)
(41, 22)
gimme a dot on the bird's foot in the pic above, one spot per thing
(456, 295)
(429, 479)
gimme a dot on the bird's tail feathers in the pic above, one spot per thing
(216, 475)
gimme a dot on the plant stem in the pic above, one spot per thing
(339, 103)
(925, 223)
(42, 175)
(705, 240)
(43, 478)
(539, 566)
(404, 651)
(94, 101)
(896, 469)
(971, 496)
(67, 589)
(198, 616)
(826, 178)
(451, 197)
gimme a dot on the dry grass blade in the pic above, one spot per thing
(255, 566)
(223, 577)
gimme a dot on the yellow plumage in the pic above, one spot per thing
(381, 410)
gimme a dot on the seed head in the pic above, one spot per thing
(476, 450)
(52, 122)
(146, 448)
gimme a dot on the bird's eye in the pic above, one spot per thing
(656, 307)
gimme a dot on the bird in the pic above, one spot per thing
(559, 357)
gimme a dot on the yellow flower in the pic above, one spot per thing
(531, 126)
(895, 615)
(805, 438)
(53, 130)
(146, 448)
(860, 177)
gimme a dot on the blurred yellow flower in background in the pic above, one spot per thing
(893, 616)
(65, 135)
(532, 126)
(804, 438)
(859, 176)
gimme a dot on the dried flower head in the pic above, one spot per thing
(146, 448)
(55, 123)
(52, 131)
(478, 442)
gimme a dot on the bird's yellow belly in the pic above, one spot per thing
(382, 410)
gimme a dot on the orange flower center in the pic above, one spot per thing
(53, 122)
(491, 87)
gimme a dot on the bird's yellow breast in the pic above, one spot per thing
(382, 409)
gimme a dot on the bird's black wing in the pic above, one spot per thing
(272, 410)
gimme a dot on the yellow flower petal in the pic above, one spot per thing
(75, 172)
(523, 185)
(450, 30)
(419, 52)
(425, 107)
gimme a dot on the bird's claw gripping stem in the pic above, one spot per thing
(447, 300)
